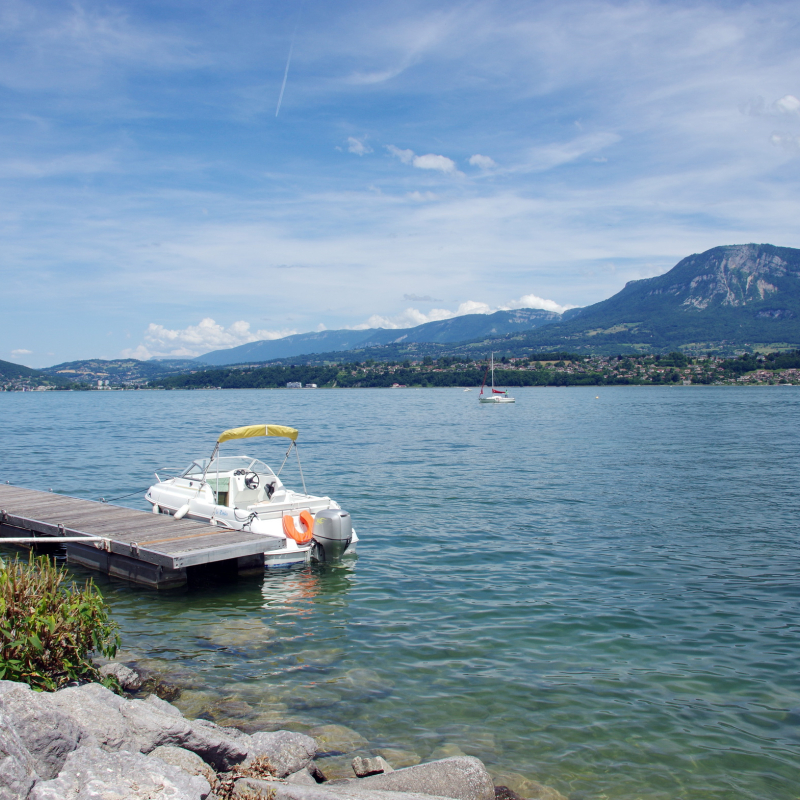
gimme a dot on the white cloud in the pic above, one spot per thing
(406, 156)
(370, 78)
(420, 298)
(555, 154)
(194, 340)
(788, 104)
(421, 197)
(357, 146)
(785, 140)
(431, 161)
(21, 352)
(757, 107)
(412, 317)
(482, 162)
(428, 161)
(533, 301)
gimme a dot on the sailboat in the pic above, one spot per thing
(497, 395)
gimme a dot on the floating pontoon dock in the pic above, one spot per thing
(152, 549)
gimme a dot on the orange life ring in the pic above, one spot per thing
(301, 537)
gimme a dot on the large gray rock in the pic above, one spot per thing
(10, 686)
(302, 777)
(364, 767)
(162, 705)
(17, 769)
(153, 728)
(268, 790)
(463, 778)
(187, 761)
(285, 751)
(48, 734)
(114, 723)
(129, 680)
(357, 792)
(98, 713)
(231, 733)
(93, 774)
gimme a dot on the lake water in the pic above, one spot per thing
(592, 588)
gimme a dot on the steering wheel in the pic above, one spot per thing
(251, 480)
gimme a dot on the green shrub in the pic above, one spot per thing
(48, 630)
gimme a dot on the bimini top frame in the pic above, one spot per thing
(253, 431)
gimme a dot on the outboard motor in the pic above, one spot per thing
(333, 531)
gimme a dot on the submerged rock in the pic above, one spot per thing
(340, 767)
(525, 787)
(193, 702)
(90, 772)
(504, 793)
(318, 658)
(229, 708)
(334, 739)
(162, 688)
(446, 750)
(271, 721)
(399, 757)
(240, 633)
(361, 682)
(314, 697)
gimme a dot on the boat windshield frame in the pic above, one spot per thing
(225, 464)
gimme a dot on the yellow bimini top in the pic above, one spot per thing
(249, 431)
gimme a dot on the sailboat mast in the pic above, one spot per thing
(492, 373)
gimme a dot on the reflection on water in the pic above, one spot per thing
(297, 590)
(598, 594)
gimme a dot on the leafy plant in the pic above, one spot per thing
(48, 628)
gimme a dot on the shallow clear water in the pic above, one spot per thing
(599, 593)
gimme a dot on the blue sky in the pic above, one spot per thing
(427, 159)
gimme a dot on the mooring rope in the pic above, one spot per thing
(122, 497)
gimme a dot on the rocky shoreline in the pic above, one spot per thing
(88, 743)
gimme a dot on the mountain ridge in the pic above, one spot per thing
(455, 329)
(731, 293)
(725, 299)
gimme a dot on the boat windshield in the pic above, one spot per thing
(226, 464)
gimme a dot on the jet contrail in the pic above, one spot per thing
(286, 72)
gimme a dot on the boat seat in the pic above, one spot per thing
(247, 497)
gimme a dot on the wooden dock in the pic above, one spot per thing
(152, 549)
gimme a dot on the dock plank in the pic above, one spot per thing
(156, 539)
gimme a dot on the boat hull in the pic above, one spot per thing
(289, 555)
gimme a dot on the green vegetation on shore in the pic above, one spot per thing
(48, 629)
(546, 369)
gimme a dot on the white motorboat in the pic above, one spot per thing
(242, 493)
(497, 395)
